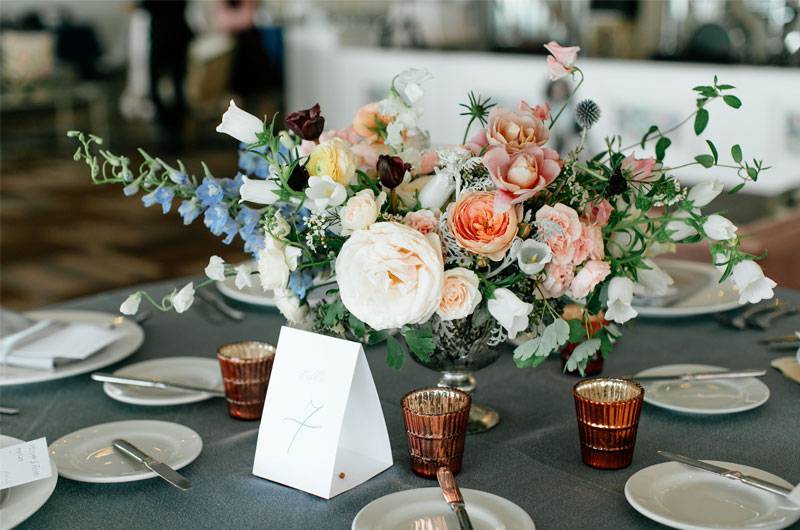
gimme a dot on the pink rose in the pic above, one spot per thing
(559, 227)
(598, 213)
(589, 245)
(477, 228)
(367, 122)
(520, 176)
(562, 60)
(639, 170)
(367, 155)
(557, 280)
(429, 160)
(515, 130)
(594, 272)
(425, 221)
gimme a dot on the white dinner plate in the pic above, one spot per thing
(23, 500)
(719, 396)
(193, 371)
(120, 349)
(684, 497)
(253, 295)
(699, 288)
(87, 455)
(425, 509)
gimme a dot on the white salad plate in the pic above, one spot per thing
(22, 501)
(253, 295)
(193, 371)
(696, 291)
(684, 497)
(86, 455)
(115, 352)
(716, 396)
(425, 508)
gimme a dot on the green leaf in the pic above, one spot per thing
(713, 150)
(732, 101)
(395, 354)
(605, 343)
(420, 341)
(332, 314)
(700, 121)
(705, 160)
(736, 153)
(752, 173)
(580, 355)
(553, 336)
(736, 188)
(661, 148)
(651, 130)
(356, 326)
(576, 330)
(726, 87)
(593, 304)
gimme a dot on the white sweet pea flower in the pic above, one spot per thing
(436, 191)
(240, 124)
(216, 269)
(532, 256)
(703, 193)
(620, 296)
(243, 277)
(511, 312)
(131, 304)
(275, 262)
(719, 228)
(184, 298)
(290, 306)
(753, 286)
(259, 191)
(408, 85)
(653, 281)
(324, 192)
(394, 133)
(680, 229)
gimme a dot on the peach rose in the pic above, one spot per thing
(515, 130)
(367, 122)
(427, 163)
(521, 175)
(557, 280)
(589, 245)
(460, 294)
(477, 228)
(559, 227)
(598, 213)
(425, 221)
(594, 272)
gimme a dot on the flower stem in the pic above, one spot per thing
(572, 93)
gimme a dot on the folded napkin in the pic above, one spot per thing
(55, 344)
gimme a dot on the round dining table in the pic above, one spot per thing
(531, 458)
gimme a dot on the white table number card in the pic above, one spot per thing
(322, 429)
(24, 462)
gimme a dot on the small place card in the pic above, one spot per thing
(322, 429)
(23, 463)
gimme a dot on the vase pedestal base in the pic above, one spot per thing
(481, 418)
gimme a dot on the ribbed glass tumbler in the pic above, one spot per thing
(436, 426)
(608, 415)
(246, 367)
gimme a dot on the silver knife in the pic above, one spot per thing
(453, 496)
(703, 376)
(220, 305)
(152, 383)
(161, 469)
(766, 485)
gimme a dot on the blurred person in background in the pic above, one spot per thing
(170, 36)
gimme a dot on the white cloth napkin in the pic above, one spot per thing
(73, 342)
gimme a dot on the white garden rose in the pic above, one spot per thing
(361, 210)
(390, 275)
(511, 312)
(460, 294)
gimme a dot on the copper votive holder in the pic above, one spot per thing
(436, 427)
(608, 415)
(246, 367)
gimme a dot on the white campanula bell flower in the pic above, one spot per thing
(240, 124)
(620, 296)
(753, 286)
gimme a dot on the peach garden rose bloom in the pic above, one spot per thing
(589, 245)
(367, 120)
(521, 175)
(424, 221)
(598, 213)
(460, 294)
(558, 278)
(514, 130)
(559, 227)
(477, 228)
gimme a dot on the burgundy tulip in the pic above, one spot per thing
(391, 170)
(308, 124)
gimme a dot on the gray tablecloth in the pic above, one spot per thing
(532, 457)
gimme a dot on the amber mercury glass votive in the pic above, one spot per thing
(608, 415)
(436, 426)
(246, 367)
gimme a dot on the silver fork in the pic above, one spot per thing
(739, 321)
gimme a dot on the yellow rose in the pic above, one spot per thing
(335, 159)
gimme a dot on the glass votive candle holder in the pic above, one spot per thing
(436, 427)
(246, 367)
(608, 415)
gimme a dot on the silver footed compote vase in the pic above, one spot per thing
(462, 347)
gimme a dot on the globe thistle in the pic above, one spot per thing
(587, 113)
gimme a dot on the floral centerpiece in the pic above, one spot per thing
(455, 249)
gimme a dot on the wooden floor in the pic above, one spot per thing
(62, 237)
